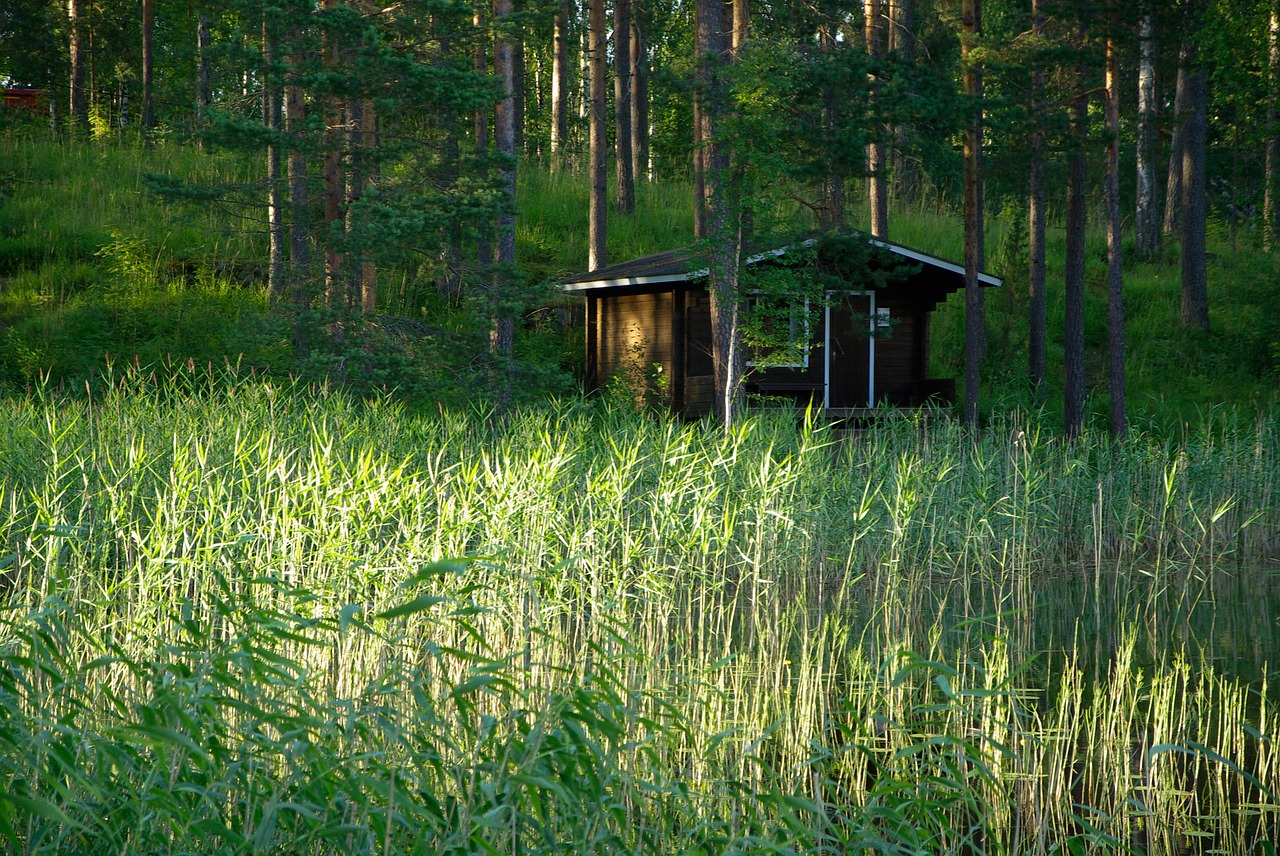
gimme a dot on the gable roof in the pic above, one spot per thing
(678, 265)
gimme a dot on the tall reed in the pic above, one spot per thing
(671, 640)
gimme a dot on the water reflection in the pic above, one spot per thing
(1228, 620)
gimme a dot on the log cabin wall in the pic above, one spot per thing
(699, 380)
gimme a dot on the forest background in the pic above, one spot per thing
(383, 197)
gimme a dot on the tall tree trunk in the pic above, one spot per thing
(1073, 339)
(639, 95)
(203, 84)
(597, 138)
(625, 196)
(502, 330)
(877, 160)
(741, 11)
(517, 75)
(831, 203)
(902, 39)
(559, 84)
(1037, 322)
(299, 212)
(699, 173)
(1270, 195)
(78, 105)
(484, 248)
(361, 144)
(1146, 225)
(1195, 293)
(1115, 277)
(722, 227)
(974, 315)
(271, 109)
(148, 65)
(334, 187)
(1181, 112)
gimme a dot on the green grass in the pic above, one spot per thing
(226, 626)
(79, 230)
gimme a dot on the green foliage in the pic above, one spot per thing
(228, 616)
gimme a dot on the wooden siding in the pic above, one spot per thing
(634, 334)
(698, 358)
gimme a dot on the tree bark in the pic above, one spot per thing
(1270, 198)
(148, 66)
(1037, 322)
(1115, 277)
(299, 213)
(334, 127)
(831, 209)
(502, 331)
(877, 160)
(639, 95)
(723, 233)
(1077, 174)
(484, 248)
(597, 139)
(361, 144)
(1195, 294)
(203, 86)
(1181, 111)
(1146, 226)
(78, 105)
(517, 76)
(975, 321)
(625, 194)
(559, 84)
(271, 109)
(902, 39)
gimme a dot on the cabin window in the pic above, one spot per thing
(778, 334)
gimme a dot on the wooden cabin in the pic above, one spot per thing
(867, 347)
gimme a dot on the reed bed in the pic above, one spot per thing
(237, 619)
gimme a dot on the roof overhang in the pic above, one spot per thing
(640, 272)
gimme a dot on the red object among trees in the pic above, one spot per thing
(27, 99)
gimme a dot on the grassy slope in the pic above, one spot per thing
(93, 264)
